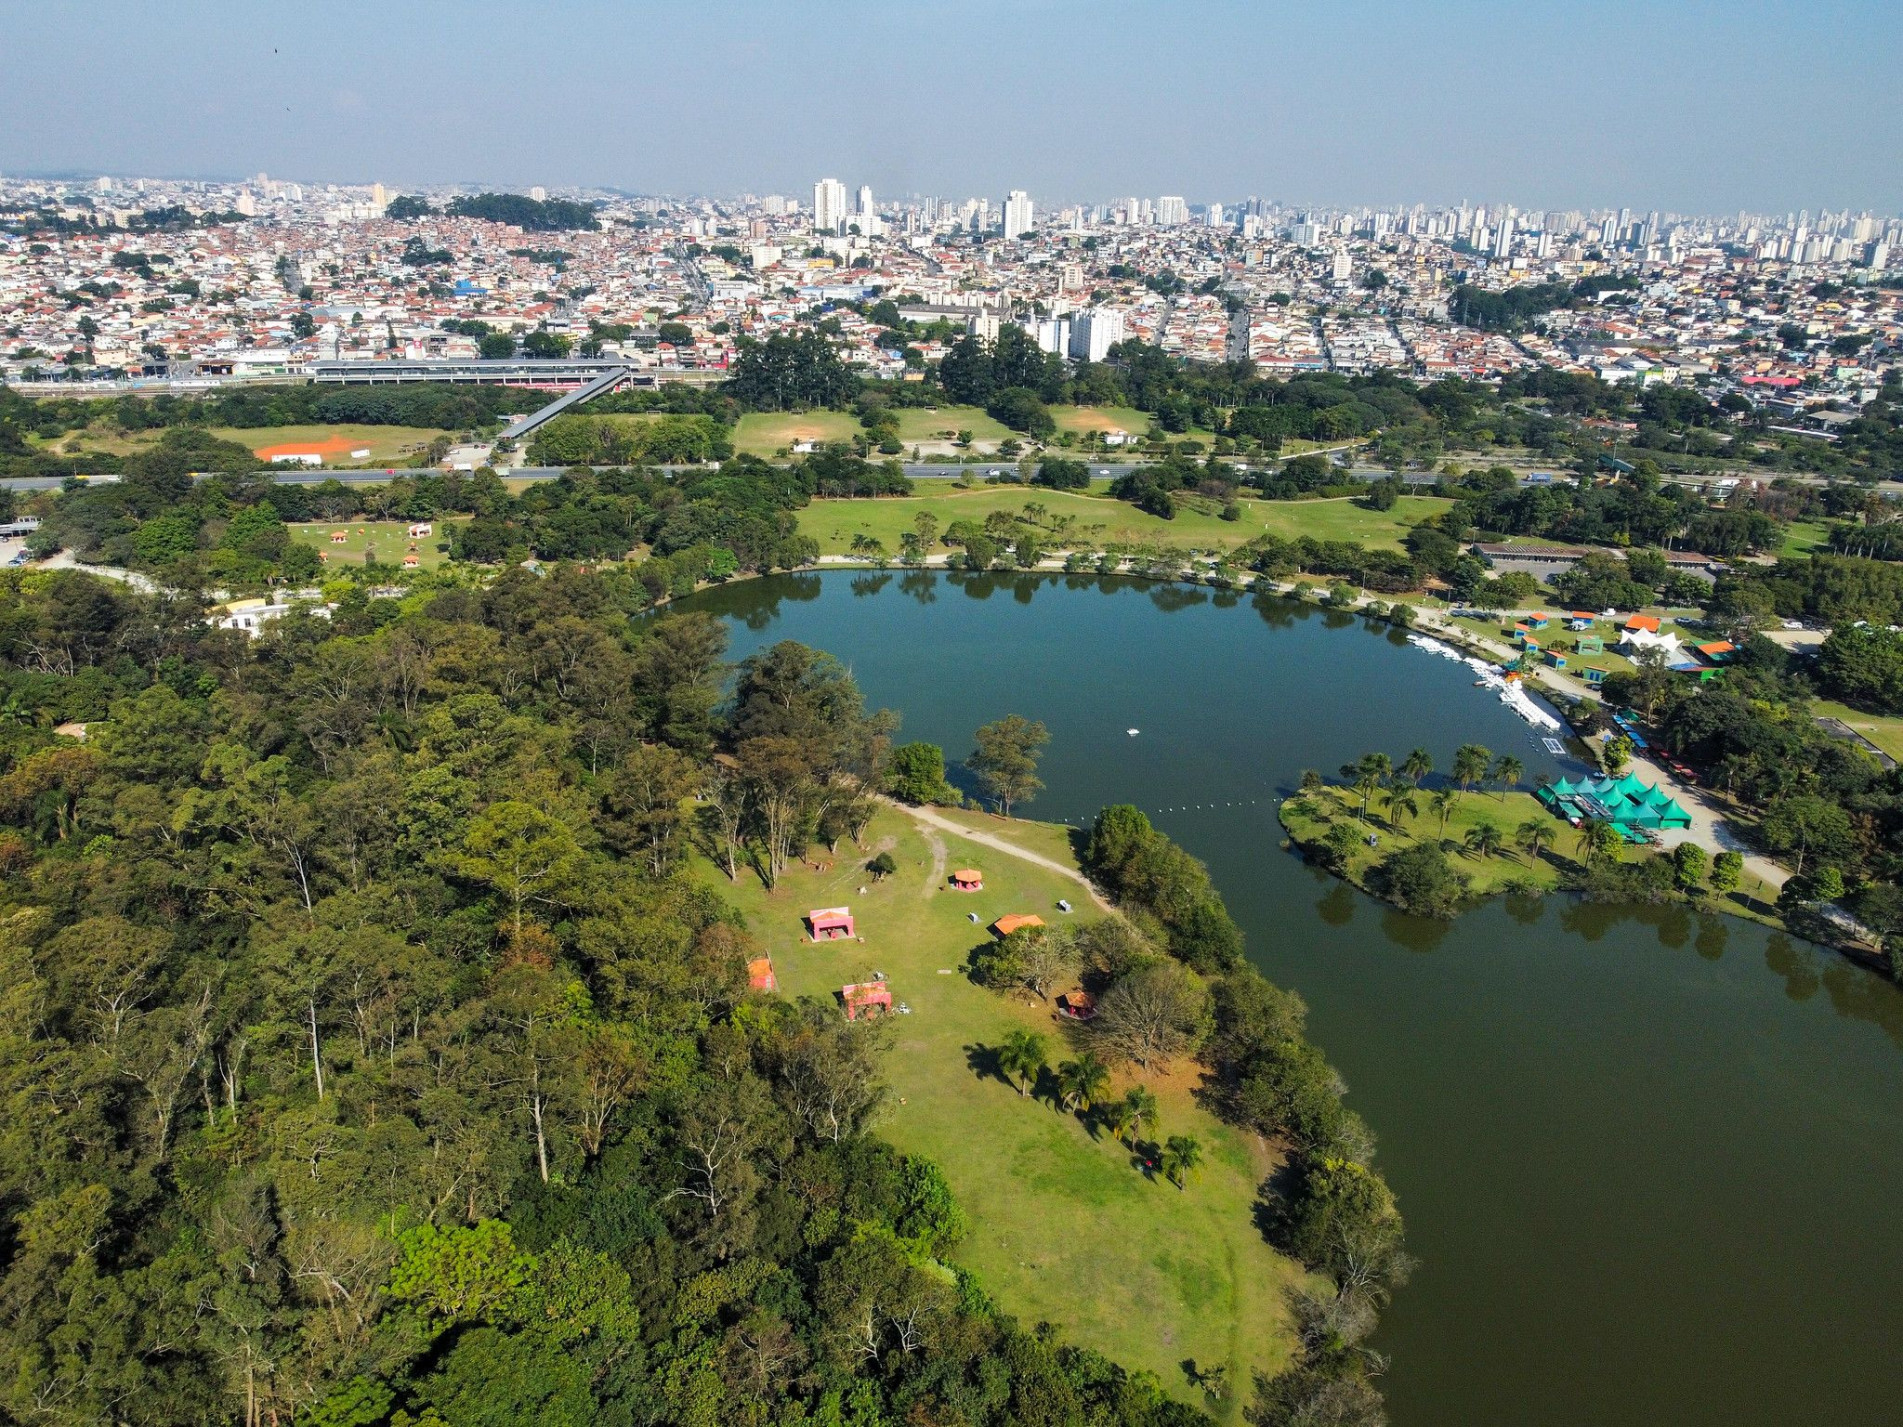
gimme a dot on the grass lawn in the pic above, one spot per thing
(1102, 522)
(1498, 873)
(921, 423)
(389, 538)
(1803, 536)
(1065, 1227)
(1342, 519)
(766, 433)
(1101, 418)
(1881, 729)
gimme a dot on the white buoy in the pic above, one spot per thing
(1131, 731)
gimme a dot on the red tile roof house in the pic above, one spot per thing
(830, 924)
(865, 998)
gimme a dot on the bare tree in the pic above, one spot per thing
(1154, 1013)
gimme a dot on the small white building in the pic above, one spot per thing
(253, 615)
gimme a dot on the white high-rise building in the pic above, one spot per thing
(1017, 214)
(1053, 335)
(1503, 240)
(829, 205)
(773, 205)
(1342, 268)
(538, 193)
(1171, 212)
(1094, 332)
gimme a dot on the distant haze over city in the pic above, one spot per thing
(1686, 108)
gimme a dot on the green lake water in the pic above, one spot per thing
(1650, 1162)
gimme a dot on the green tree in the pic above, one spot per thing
(1689, 864)
(1081, 1082)
(1484, 839)
(1471, 762)
(1445, 799)
(1005, 760)
(1182, 1157)
(1021, 1058)
(1598, 840)
(1417, 765)
(1727, 870)
(1533, 835)
(1507, 771)
(524, 853)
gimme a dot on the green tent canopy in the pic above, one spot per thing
(1625, 801)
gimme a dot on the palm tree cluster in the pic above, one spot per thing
(1082, 1086)
(1399, 786)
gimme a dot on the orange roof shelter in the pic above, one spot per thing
(760, 975)
(1648, 622)
(1004, 926)
(968, 879)
(1078, 1005)
(830, 924)
(866, 998)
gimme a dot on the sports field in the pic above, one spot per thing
(1101, 418)
(1066, 1225)
(767, 433)
(930, 423)
(336, 444)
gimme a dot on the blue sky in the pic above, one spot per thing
(1676, 104)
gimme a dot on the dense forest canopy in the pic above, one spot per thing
(373, 1051)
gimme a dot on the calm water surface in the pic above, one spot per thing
(1649, 1161)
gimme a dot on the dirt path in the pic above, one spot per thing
(998, 844)
(937, 879)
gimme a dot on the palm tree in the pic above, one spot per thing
(1507, 772)
(1370, 772)
(1182, 1157)
(1401, 798)
(1444, 799)
(1598, 839)
(1533, 834)
(1471, 761)
(1485, 839)
(1082, 1081)
(1021, 1057)
(1417, 765)
(1143, 1110)
(1118, 1117)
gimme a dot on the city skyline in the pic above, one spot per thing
(1676, 107)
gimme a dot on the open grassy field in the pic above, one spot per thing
(386, 444)
(1101, 418)
(926, 423)
(1065, 1227)
(766, 433)
(1803, 536)
(389, 538)
(1498, 873)
(1881, 729)
(1343, 519)
(1101, 521)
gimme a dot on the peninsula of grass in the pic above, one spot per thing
(1308, 817)
(1066, 1225)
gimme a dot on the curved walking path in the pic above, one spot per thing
(998, 844)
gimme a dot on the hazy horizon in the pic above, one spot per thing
(1679, 105)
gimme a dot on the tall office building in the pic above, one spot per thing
(1094, 332)
(1017, 214)
(1053, 335)
(829, 205)
(1503, 240)
(1171, 212)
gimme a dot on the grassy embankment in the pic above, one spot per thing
(389, 538)
(1885, 731)
(1103, 522)
(1065, 1226)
